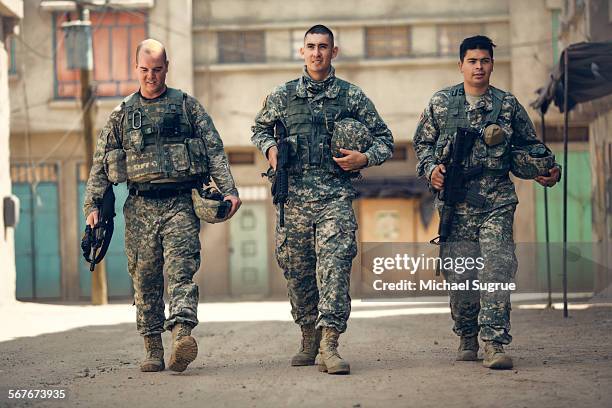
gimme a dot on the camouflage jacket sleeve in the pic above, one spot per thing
(272, 110)
(426, 134)
(523, 131)
(108, 139)
(218, 165)
(363, 110)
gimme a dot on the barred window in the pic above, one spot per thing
(388, 42)
(30, 173)
(241, 46)
(450, 37)
(297, 42)
(241, 157)
(115, 36)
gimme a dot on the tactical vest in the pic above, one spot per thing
(309, 133)
(159, 140)
(494, 159)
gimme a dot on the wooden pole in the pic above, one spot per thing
(99, 294)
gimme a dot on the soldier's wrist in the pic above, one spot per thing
(87, 210)
(558, 166)
(430, 171)
(233, 193)
(369, 162)
(266, 148)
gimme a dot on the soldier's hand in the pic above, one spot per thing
(273, 156)
(236, 203)
(352, 160)
(437, 177)
(92, 218)
(550, 180)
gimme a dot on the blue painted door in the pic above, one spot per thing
(37, 254)
(118, 280)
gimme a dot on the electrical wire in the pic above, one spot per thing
(32, 174)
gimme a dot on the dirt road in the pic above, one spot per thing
(397, 361)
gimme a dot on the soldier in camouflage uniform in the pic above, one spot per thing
(317, 243)
(163, 143)
(484, 230)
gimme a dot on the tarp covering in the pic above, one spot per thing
(590, 76)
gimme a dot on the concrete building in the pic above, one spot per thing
(591, 21)
(230, 54)
(11, 12)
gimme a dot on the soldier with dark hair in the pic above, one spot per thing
(317, 241)
(482, 225)
(163, 143)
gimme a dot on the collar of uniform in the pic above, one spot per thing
(485, 102)
(331, 88)
(163, 94)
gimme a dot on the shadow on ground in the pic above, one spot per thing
(396, 361)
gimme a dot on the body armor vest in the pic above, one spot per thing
(159, 140)
(494, 159)
(310, 133)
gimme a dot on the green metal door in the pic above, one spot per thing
(37, 254)
(249, 251)
(579, 227)
(119, 283)
(24, 243)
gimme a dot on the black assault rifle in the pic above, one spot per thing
(96, 240)
(280, 187)
(454, 191)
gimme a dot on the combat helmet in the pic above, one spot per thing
(351, 135)
(528, 162)
(209, 205)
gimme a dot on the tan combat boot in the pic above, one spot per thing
(468, 349)
(495, 357)
(184, 348)
(154, 359)
(329, 360)
(311, 338)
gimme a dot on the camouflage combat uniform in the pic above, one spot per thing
(317, 243)
(161, 234)
(478, 231)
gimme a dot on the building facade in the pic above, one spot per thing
(11, 12)
(591, 21)
(230, 54)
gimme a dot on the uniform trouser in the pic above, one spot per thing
(162, 236)
(317, 245)
(489, 236)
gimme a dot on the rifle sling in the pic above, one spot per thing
(110, 227)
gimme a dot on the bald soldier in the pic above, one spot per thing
(163, 144)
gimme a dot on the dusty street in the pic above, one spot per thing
(397, 360)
